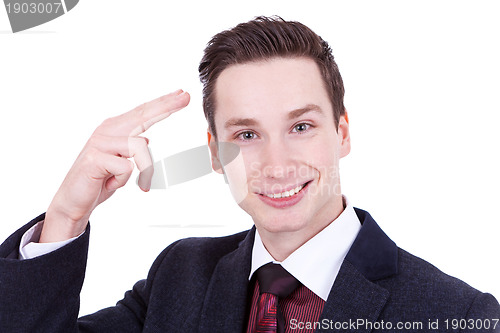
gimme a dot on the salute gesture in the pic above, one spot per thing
(103, 166)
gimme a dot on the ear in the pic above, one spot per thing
(214, 152)
(344, 136)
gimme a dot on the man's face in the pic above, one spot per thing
(279, 114)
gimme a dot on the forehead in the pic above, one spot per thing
(269, 88)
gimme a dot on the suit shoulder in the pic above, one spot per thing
(420, 284)
(418, 272)
(196, 253)
(213, 247)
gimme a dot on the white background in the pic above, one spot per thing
(422, 91)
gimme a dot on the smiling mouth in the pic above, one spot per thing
(289, 193)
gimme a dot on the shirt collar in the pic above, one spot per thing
(317, 262)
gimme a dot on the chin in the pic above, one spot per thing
(280, 222)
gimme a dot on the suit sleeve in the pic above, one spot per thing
(483, 315)
(43, 294)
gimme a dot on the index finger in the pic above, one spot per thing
(147, 114)
(138, 120)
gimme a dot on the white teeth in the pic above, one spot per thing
(286, 193)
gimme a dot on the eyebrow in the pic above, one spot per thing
(308, 108)
(236, 122)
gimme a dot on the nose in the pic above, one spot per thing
(276, 160)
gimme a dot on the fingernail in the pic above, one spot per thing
(144, 189)
(181, 94)
(178, 92)
(147, 140)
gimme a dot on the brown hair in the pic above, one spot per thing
(260, 39)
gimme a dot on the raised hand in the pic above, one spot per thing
(103, 166)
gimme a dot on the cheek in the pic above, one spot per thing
(252, 164)
(324, 158)
(236, 176)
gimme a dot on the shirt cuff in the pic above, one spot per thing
(30, 248)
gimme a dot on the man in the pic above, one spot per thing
(273, 90)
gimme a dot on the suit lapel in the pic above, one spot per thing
(355, 296)
(225, 305)
(352, 297)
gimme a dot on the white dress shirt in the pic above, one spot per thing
(317, 262)
(29, 247)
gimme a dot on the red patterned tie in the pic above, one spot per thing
(267, 317)
(274, 282)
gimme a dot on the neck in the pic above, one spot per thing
(281, 244)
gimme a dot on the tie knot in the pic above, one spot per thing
(274, 279)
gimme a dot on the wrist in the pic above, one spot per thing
(58, 227)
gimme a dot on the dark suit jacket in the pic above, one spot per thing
(201, 285)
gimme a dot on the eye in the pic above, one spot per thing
(246, 136)
(302, 127)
